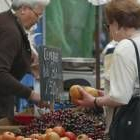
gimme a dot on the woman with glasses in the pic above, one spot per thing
(15, 52)
(123, 17)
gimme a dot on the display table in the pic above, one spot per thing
(7, 125)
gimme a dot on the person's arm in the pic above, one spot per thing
(89, 100)
(9, 49)
(106, 101)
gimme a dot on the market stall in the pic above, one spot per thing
(58, 111)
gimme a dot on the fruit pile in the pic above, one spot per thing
(75, 120)
(56, 133)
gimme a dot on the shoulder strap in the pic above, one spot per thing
(137, 56)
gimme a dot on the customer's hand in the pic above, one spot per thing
(87, 99)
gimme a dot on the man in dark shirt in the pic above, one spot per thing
(15, 52)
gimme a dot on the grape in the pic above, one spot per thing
(77, 121)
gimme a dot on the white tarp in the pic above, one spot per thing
(4, 5)
(98, 2)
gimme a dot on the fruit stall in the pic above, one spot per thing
(69, 123)
(58, 119)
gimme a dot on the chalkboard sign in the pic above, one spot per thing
(51, 79)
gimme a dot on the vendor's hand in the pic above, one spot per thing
(87, 99)
(35, 96)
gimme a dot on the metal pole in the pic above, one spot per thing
(97, 45)
(44, 27)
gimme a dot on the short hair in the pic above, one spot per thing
(125, 12)
(16, 4)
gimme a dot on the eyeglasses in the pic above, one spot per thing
(106, 26)
(38, 16)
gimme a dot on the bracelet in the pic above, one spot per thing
(95, 103)
(97, 108)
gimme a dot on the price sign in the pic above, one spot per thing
(51, 79)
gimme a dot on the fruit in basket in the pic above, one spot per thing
(48, 130)
(36, 136)
(0, 137)
(42, 137)
(70, 135)
(59, 130)
(7, 135)
(52, 136)
(20, 137)
(64, 138)
(28, 139)
(82, 137)
(75, 94)
(79, 121)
